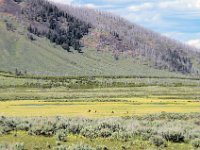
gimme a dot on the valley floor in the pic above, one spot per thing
(99, 113)
(110, 107)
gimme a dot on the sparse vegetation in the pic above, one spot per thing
(118, 129)
(158, 141)
(126, 37)
(196, 143)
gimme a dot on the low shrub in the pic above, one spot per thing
(193, 134)
(122, 135)
(75, 128)
(23, 126)
(144, 132)
(174, 135)
(89, 132)
(158, 141)
(45, 130)
(110, 124)
(4, 146)
(102, 147)
(61, 135)
(18, 146)
(58, 143)
(1, 131)
(5, 130)
(81, 147)
(196, 143)
(105, 133)
(61, 147)
(48, 146)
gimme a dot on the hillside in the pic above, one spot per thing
(42, 38)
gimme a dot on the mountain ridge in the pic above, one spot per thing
(71, 29)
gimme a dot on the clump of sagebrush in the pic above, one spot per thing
(158, 141)
(89, 132)
(61, 135)
(196, 143)
(122, 135)
(105, 133)
(174, 131)
(15, 146)
(18, 146)
(61, 147)
(48, 146)
(42, 129)
(193, 134)
(173, 135)
(58, 143)
(4, 146)
(145, 132)
(102, 147)
(81, 147)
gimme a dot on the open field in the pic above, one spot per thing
(125, 107)
(102, 113)
(97, 96)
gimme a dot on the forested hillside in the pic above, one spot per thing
(65, 40)
(125, 37)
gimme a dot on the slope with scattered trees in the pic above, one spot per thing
(85, 29)
(123, 36)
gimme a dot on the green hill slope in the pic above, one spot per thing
(40, 57)
(40, 38)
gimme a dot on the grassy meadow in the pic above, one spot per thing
(120, 108)
(99, 112)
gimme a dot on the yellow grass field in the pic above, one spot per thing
(131, 106)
